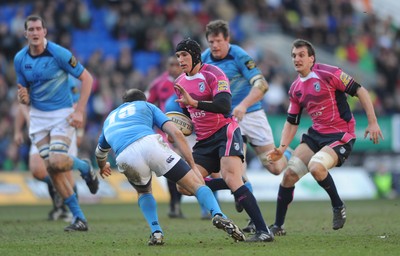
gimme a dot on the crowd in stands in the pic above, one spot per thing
(124, 44)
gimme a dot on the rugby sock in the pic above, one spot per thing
(148, 206)
(287, 154)
(207, 200)
(249, 203)
(329, 185)
(80, 165)
(175, 196)
(216, 183)
(73, 205)
(285, 197)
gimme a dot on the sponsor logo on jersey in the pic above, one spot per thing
(73, 62)
(250, 64)
(317, 87)
(222, 85)
(202, 87)
(345, 78)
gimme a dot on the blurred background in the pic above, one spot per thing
(125, 44)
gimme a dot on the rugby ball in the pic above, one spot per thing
(183, 122)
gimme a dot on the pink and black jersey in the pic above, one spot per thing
(161, 89)
(203, 86)
(323, 94)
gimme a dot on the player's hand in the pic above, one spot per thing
(374, 132)
(239, 111)
(23, 95)
(106, 170)
(185, 98)
(76, 119)
(18, 138)
(274, 155)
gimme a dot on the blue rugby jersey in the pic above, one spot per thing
(128, 123)
(239, 67)
(46, 76)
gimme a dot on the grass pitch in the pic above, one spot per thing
(372, 228)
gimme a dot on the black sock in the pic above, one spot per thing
(249, 203)
(329, 185)
(285, 197)
(173, 195)
(216, 184)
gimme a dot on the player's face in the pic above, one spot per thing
(219, 46)
(302, 61)
(185, 61)
(35, 33)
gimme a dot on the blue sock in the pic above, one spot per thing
(80, 165)
(148, 206)
(207, 200)
(287, 154)
(249, 186)
(74, 207)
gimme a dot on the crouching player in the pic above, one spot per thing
(128, 131)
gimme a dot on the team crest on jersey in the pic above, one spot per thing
(73, 62)
(222, 85)
(250, 64)
(202, 87)
(345, 78)
(317, 87)
(236, 146)
(342, 150)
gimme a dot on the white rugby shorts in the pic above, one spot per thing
(256, 128)
(53, 123)
(144, 156)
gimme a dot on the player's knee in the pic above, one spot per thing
(56, 164)
(295, 168)
(142, 189)
(321, 160)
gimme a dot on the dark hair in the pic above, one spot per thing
(192, 47)
(134, 95)
(34, 18)
(217, 26)
(304, 43)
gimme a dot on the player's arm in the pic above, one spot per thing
(259, 88)
(86, 88)
(19, 123)
(289, 131)
(180, 142)
(101, 158)
(373, 128)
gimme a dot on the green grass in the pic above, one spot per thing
(372, 228)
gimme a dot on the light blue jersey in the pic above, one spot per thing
(46, 76)
(130, 122)
(239, 67)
